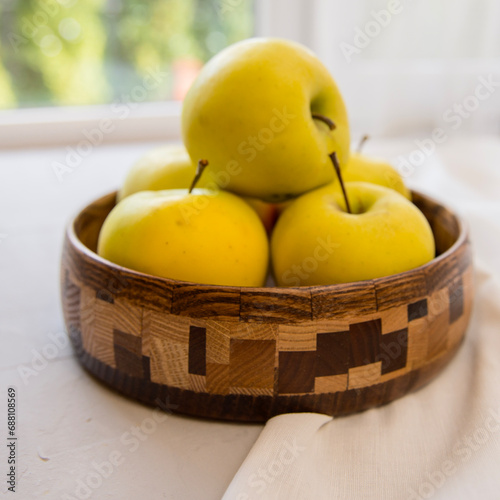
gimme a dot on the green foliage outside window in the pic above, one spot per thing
(75, 52)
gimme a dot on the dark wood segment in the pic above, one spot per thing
(146, 367)
(417, 309)
(105, 295)
(251, 353)
(456, 297)
(276, 305)
(332, 353)
(364, 342)
(395, 291)
(130, 342)
(197, 350)
(204, 301)
(297, 371)
(343, 301)
(441, 272)
(128, 362)
(393, 351)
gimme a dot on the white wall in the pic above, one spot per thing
(402, 73)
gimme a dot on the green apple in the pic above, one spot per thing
(316, 242)
(210, 237)
(266, 114)
(363, 168)
(166, 167)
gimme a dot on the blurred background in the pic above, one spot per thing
(404, 66)
(80, 52)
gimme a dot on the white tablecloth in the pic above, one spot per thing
(77, 439)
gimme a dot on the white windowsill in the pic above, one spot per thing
(26, 128)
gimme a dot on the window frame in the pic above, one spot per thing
(62, 125)
(103, 124)
(305, 22)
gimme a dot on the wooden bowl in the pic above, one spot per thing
(251, 353)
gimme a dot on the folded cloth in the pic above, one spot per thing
(440, 442)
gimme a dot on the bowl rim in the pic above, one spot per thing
(78, 245)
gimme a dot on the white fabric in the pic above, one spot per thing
(67, 421)
(440, 442)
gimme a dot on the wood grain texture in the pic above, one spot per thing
(248, 354)
(275, 305)
(343, 301)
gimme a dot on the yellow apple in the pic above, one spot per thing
(362, 168)
(316, 242)
(166, 167)
(260, 113)
(210, 237)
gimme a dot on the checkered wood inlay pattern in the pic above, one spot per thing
(331, 349)
(235, 357)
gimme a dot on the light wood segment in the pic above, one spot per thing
(331, 383)
(169, 363)
(172, 328)
(252, 363)
(394, 319)
(255, 331)
(147, 318)
(468, 285)
(218, 341)
(417, 342)
(332, 325)
(438, 302)
(297, 337)
(127, 317)
(97, 327)
(250, 392)
(364, 376)
(437, 335)
(198, 383)
(217, 379)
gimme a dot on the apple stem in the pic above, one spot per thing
(336, 166)
(362, 143)
(202, 164)
(325, 119)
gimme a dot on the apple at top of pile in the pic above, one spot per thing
(266, 114)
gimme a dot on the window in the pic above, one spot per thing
(70, 52)
(401, 65)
